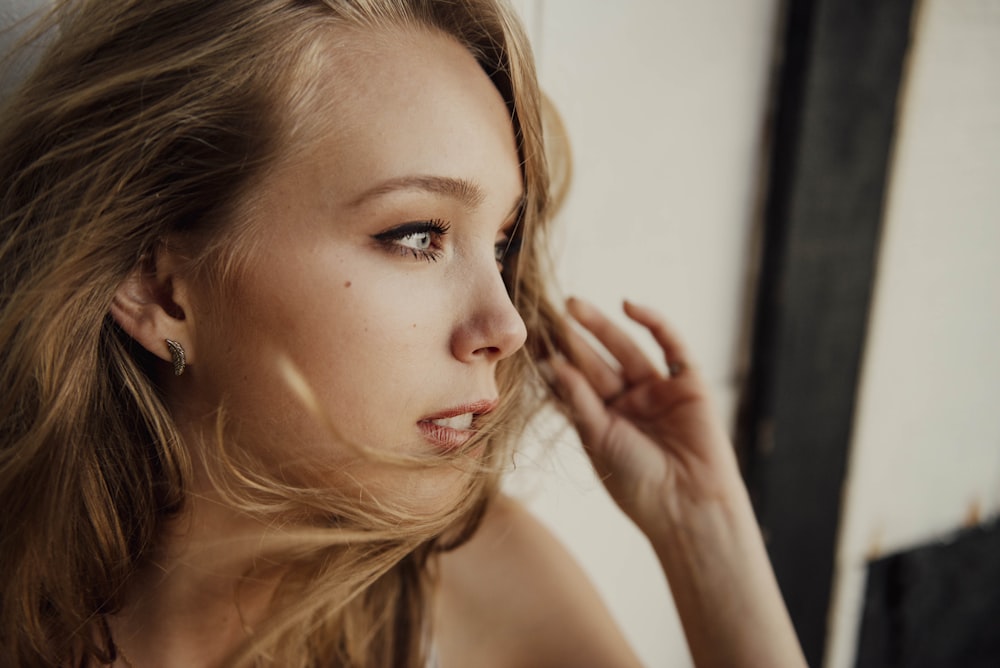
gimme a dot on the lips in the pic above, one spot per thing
(449, 430)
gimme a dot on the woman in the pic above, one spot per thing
(272, 305)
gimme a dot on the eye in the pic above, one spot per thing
(422, 239)
(505, 248)
(417, 241)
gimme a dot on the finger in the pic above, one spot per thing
(603, 378)
(636, 367)
(674, 351)
(586, 407)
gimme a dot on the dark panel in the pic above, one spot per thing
(937, 605)
(843, 60)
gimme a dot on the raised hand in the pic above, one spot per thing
(666, 460)
(650, 430)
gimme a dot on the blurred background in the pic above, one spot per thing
(807, 189)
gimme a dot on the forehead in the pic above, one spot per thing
(401, 102)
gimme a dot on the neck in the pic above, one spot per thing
(191, 603)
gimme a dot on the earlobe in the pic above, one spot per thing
(149, 306)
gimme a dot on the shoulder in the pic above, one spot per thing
(513, 596)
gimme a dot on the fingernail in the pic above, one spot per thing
(578, 305)
(630, 305)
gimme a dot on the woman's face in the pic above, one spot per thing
(372, 268)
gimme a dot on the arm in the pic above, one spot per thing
(669, 465)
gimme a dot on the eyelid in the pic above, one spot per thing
(436, 226)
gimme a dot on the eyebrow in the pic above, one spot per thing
(466, 192)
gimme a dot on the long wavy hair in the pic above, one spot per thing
(153, 119)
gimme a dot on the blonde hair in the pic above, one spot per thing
(146, 120)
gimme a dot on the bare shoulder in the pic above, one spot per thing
(513, 596)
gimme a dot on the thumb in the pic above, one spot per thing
(621, 456)
(618, 460)
(587, 411)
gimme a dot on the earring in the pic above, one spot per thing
(177, 354)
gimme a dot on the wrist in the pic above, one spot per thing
(714, 558)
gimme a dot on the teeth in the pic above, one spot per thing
(463, 422)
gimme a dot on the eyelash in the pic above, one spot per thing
(436, 229)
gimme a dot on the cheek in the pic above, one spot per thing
(371, 339)
(366, 341)
(360, 321)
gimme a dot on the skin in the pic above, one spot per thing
(384, 338)
(383, 331)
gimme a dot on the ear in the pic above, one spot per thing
(152, 305)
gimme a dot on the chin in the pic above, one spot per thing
(399, 493)
(430, 493)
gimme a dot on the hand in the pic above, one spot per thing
(652, 436)
(668, 463)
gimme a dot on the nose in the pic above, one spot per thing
(491, 328)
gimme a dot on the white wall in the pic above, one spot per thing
(664, 103)
(926, 449)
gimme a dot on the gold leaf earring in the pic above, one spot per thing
(177, 355)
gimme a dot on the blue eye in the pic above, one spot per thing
(416, 240)
(506, 248)
(422, 239)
